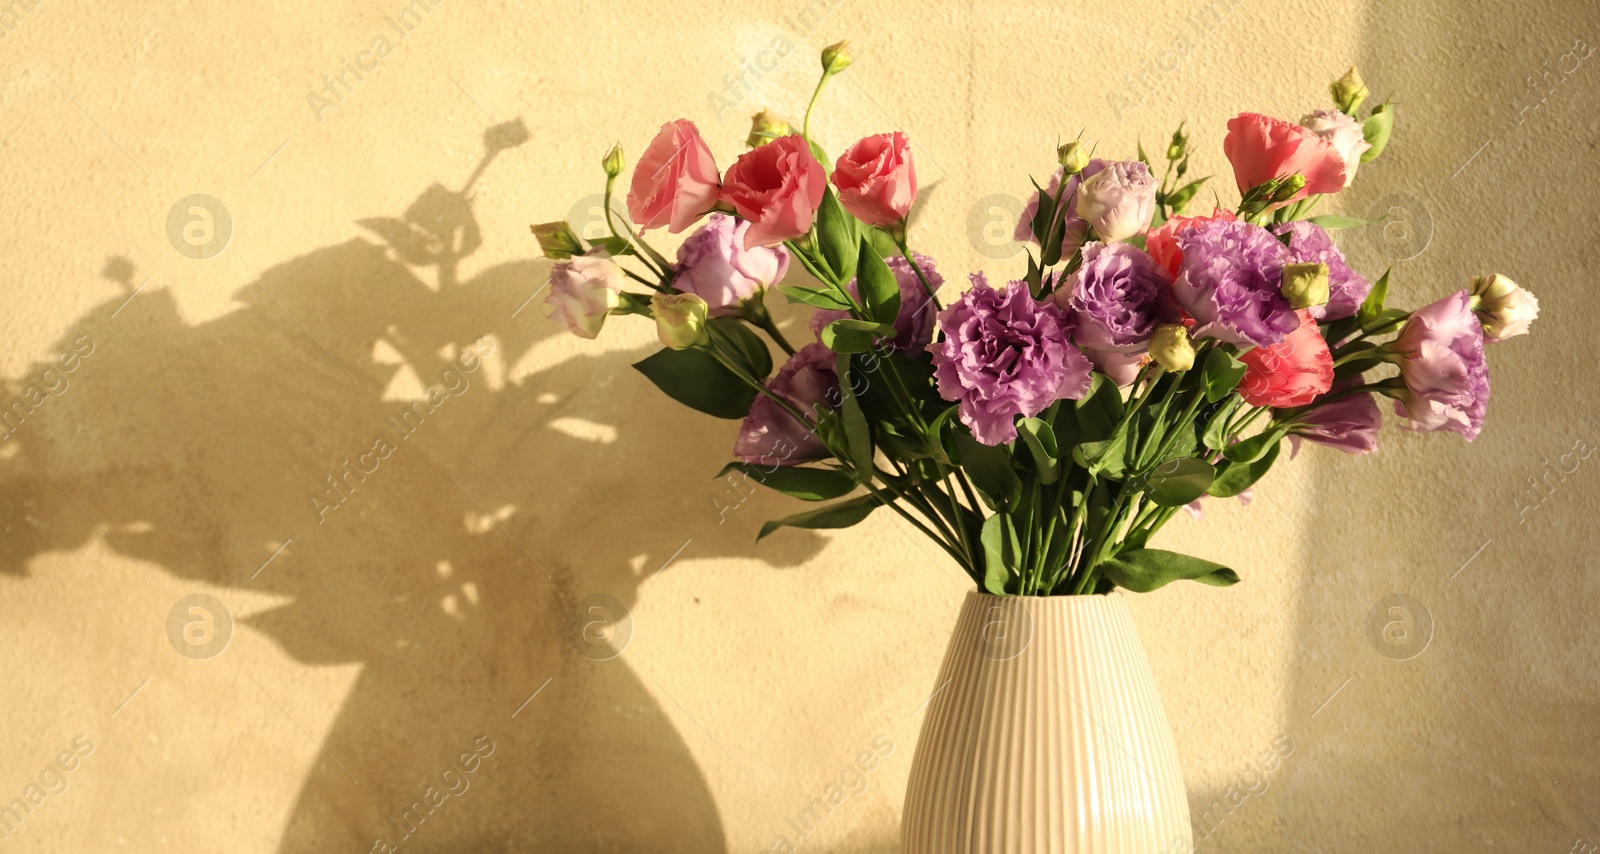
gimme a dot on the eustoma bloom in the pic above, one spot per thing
(1505, 308)
(1440, 353)
(1292, 372)
(1347, 421)
(771, 435)
(1162, 244)
(914, 324)
(1003, 355)
(714, 264)
(583, 290)
(1229, 283)
(1076, 231)
(777, 188)
(1308, 244)
(1114, 302)
(1262, 148)
(675, 182)
(876, 179)
(1117, 201)
(1343, 133)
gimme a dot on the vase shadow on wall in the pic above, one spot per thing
(452, 568)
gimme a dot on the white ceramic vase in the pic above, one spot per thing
(1045, 735)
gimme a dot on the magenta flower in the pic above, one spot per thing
(771, 435)
(714, 265)
(1229, 283)
(1348, 423)
(914, 324)
(1310, 244)
(1003, 355)
(1440, 353)
(1114, 302)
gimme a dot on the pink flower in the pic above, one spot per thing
(876, 179)
(714, 265)
(1262, 148)
(778, 188)
(583, 290)
(1344, 133)
(1440, 351)
(1292, 372)
(675, 182)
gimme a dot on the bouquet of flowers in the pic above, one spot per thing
(1040, 431)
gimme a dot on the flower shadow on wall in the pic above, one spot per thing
(451, 567)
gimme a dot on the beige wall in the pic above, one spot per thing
(423, 613)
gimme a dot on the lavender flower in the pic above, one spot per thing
(1309, 244)
(1229, 283)
(1077, 230)
(1440, 352)
(770, 434)
(1115, 301)
(914, 324)
(1349, 423)
(714, 265)
(1003, 355)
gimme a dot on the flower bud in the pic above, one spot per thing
(835, 58)
(1179, 144)
(1288, 187)
(1349, 91)
(764, 128)
(1073, 157)
(1170, 347)
(680, 320)
(557, 240)
(1505, 308)
(613, 162)
(583, 290)
(1305, 285)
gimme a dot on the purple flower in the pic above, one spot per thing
(770, 434)
(1349, 423)
(1229, 283)
(1309, 244)
(714, 265)
(1118, 201)
(1003, 355)
(1116, 299)
(1440, 352)
(914, 324)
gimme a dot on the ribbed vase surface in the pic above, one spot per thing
(1045, 735)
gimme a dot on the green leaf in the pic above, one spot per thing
(857, 435)
(1179, 199)
(1099, 411)
(1107, 458)
(697, 380)
(1041, 441)
(881, 242)
(1222, 373)
(1332, 221)
(821, 156)
(1002, 553)
(989, 467)
(806, 484)
(1144, 570)
(1376, 130)
(836, 237)
(1216, 437)
(941, 438)
(1175, 483)
(840, 515)
(614, 245)
(738, 338)
(1386, 321)
(1257, 446)
(879, 290)
(848, 335)
(1234, 478)
(819, 298)
(1372, 306)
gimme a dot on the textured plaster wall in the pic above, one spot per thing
(430, 617)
